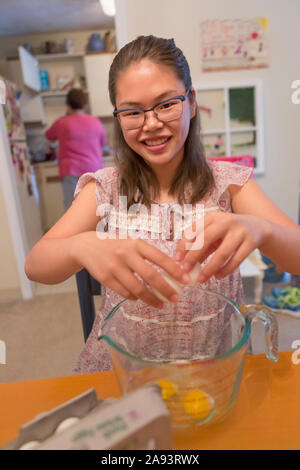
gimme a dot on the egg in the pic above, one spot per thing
(168, 389)
(194, 274)
(176, 285)
(29, 445)
(198, 404)
(66, 424)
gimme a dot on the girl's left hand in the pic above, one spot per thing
(231, 237)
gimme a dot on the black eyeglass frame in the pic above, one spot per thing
(179, 97)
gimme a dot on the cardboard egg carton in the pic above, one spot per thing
(137, 421)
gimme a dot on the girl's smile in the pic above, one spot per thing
(157, 144)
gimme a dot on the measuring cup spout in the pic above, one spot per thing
(269, 320)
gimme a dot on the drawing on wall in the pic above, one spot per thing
(234, 44)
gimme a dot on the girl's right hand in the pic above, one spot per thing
(114, 262)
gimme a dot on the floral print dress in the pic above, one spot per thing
(95, 356)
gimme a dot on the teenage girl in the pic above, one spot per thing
(160, 161)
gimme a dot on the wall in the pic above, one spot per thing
(181, 20)
(9, 278)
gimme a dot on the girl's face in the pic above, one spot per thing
(143, 85)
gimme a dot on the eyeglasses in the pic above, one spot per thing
(165, 111)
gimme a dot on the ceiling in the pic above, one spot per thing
(36, 16)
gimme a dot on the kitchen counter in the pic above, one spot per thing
(265, 416)
(107, 161)
(46, 164)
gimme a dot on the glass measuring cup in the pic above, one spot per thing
(194, 349)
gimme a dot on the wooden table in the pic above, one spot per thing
(266, 414)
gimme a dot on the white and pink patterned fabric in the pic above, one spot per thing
(95, 356)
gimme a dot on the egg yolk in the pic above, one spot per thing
(198, 404)
(167, 388)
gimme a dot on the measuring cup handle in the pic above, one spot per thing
(269, 320)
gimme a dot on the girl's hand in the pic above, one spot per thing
(231, 237)
(114, 262)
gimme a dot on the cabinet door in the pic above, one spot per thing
(96, 72)
(30, 69)
(51, 194)
(32, 109)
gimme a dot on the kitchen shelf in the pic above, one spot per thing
(50, 93)
(35, 124)
(60, 56)
(235, 130)
(54, 93)
(100, 52)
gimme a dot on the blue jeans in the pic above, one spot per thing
(69, 183)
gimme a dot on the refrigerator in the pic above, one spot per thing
(24, 178)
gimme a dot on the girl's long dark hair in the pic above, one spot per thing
(136, 174)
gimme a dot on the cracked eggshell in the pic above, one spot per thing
(194, 274)
(176, 286)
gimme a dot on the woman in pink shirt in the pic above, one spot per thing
(81, 138)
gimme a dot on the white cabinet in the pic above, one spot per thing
(96, 71)
(32, 109)
(47, 106)
(51, 193)
(68, 67)
(30, 70)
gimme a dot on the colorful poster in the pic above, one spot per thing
(234, 44)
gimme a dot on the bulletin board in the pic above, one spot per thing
(234, 44)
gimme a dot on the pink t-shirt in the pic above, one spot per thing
(81, 138)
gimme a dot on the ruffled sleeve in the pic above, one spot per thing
(225, 174)
(106, 184)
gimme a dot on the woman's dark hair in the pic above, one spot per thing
(76, 98)
(135, 173)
